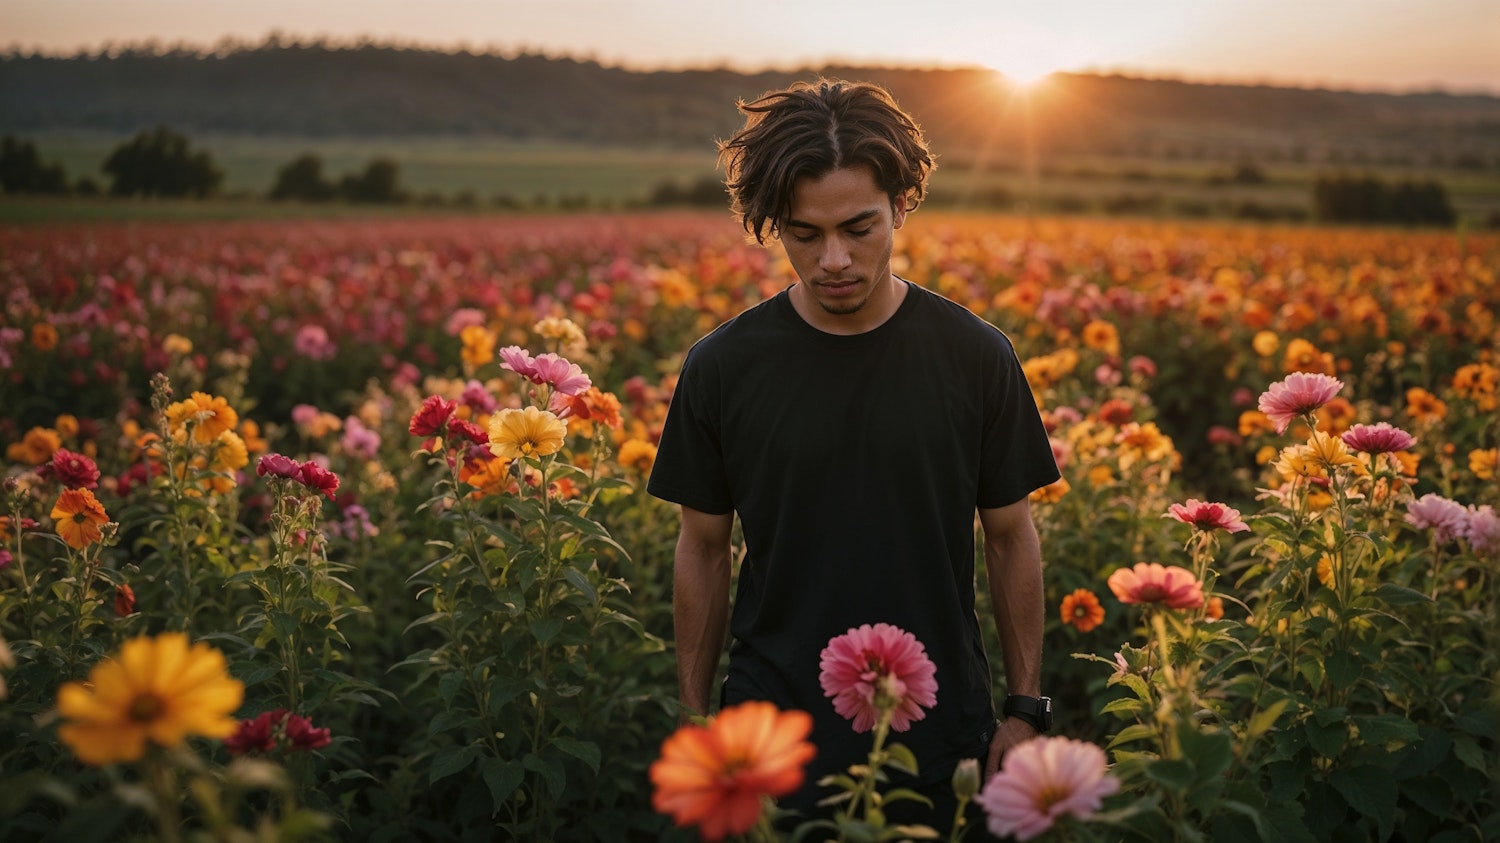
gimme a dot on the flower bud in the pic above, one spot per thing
(966, 778)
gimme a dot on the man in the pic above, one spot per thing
(854, 422)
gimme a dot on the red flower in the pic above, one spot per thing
(75, 471)
(255, 733)
(1150, 582)
(318, 478)
(429, 420)
(300, 733)
(276, 465)
(468, 430)
(124, 600)
(871, 669)
(1208, 516)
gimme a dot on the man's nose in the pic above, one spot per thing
(835, 255)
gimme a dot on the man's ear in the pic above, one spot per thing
(899, 210)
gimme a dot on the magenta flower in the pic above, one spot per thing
(1446, 519)
(1043, 780)
(1299, 394)
(518, 360)
(871, 669)
(358, 440)
(1151, 582)
(560, 374)
(1207, 516)
(74, 471)
(277, 465)
(1378, 438)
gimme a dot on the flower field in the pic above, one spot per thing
(337, 530)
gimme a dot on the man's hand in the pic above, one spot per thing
(1010, 732)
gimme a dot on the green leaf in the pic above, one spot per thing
(450, 761)
(581, 582)
(1262, 721)
(1328, 741)
(1467, 750)
(550, 770)
(502, 776)
(585, 751)
(1211, 752)
(1343, 668)
(1127, 707)
(1431, 793)
(1371, 791)
(1400, 595)
(1381, 729)
(285, 624)
(1133, 732)
(544, 629)
(902, 759)
(1173, 773)
(446, 720)
(425, 619)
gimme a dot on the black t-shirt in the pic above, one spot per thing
(855, 464)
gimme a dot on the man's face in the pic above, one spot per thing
(838, 238)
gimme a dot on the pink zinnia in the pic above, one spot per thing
(1483, 529)
(1446, 519)
(518, 360)
(1299, 394)
(1378, 438)
(1150, 582)
(1208, 516)
(564, 376)
(277, 465)
(870, 668)
(1042, 780)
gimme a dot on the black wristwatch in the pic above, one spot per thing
(1036, 711)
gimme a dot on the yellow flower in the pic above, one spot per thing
(1423, 406)
(230, 452)
(1266, 343)
(1051, 493)
(1101, 475)
(1331, 452)
(156, 689)
(66, 426)
(479, 345)
(1478, 383)
(177, 344)
(78, 517)
(211, 415)
(526, 433)
(1325, 571)
(1483, 461)
(1142, 443)
(637, 454)
(1303, 356)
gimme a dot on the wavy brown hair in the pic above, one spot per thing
(808, 131)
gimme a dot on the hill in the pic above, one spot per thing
(316, 90)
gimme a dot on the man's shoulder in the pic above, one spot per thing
(739, 332)
(954, 319)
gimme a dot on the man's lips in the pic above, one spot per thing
(841, 287)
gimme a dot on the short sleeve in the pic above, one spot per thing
(1015, 453)
(689, 468)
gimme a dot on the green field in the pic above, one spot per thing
(437, 171)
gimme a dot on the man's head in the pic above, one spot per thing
(810, 130)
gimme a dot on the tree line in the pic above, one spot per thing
(163, 163)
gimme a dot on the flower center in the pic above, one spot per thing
(1049, 796)
(1151, 593)
(145, 708)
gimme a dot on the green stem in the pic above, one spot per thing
(162, 781)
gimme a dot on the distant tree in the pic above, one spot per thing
(22, 170)
(303, 179)
(160, 163)
(1348, 199)
(380, 182)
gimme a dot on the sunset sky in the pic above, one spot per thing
(1397, 45)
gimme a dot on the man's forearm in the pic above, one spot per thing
(700, 614)
(1013, 561)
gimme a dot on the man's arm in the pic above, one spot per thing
(700, 605)
(1013, 563)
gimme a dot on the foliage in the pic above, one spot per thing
(22, 170)
(1346, 199)
(160, 163)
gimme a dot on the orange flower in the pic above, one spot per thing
(79, 515)
(479, 345)
(1423, 406)
(1082, 610)
(1214, 609)
(1101, 336)
(1483, 462)
(1265, 343)
(1336, 416)
(1051, 493)
(637, 455)
(36, 447)
(43, 336)
(1478, 382)
(715, 776)
(1303, 356)
(210, 414)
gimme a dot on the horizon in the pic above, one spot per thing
(1369, 46)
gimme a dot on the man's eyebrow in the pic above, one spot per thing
(854, 220)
